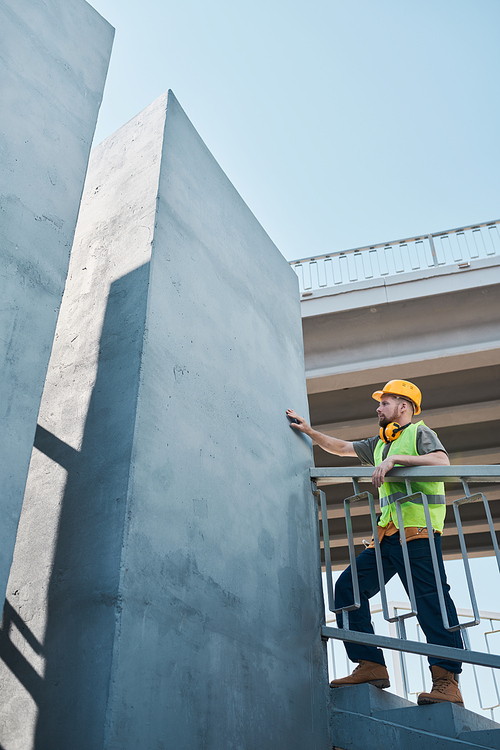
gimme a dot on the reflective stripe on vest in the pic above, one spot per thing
(389, 492)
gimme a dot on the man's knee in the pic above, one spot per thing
(344, 581)
(343, 586)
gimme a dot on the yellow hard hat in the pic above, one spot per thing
(401, 388)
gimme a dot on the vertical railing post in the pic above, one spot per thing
(326, 545)
(465, 558)
(435, 566)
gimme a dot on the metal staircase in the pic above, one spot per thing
(362, 717)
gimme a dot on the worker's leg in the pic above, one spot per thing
(360, 619)
(429, 611)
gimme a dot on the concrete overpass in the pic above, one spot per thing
(425, 309)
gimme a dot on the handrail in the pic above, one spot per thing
(447, 474)
(325, 272)
(479, 658)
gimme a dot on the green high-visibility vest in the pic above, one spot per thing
(389, 492)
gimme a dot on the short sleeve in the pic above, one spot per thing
(428, 441)
(365, 450)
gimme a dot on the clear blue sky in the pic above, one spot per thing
(341, 123)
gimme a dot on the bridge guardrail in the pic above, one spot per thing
(323, 273)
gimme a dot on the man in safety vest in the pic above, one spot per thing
(399, 443)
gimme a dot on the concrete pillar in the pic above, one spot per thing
(166, 584)
(53, 62)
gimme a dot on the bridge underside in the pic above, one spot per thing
(441, 331)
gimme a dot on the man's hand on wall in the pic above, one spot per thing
(300, 423)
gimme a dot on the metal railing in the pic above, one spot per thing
(447, 474)
(324, 273)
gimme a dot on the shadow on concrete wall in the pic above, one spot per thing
(13, 658)
(84, 599)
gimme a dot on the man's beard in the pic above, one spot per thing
(384, 421)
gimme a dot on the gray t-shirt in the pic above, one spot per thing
(427, 442)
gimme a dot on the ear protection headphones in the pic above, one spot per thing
(391, 431)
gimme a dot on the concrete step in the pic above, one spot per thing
(364, 716)
(489, 738)
(440, 718)
(365, 699)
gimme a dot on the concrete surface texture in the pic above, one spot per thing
(364, 716)
(165, 591)
(53, 63)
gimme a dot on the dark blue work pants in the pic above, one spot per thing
(424, 584)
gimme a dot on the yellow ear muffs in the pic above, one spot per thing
(391, 432)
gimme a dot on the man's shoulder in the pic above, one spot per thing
(422, 427)
(427, 440)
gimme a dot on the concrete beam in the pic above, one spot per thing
(353, 375)
(482, 456)
(425, 335)
(53, 66)
(484, 550)
(462, 414)
(337, 510)
(469, 527)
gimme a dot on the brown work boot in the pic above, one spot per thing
(366, 671)
(444, 688)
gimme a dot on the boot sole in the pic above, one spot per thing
(376, 683)
(380, 683)
(427, 702)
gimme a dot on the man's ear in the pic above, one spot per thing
(405, 409)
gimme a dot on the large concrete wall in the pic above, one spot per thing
(166, 583)
(53, 62)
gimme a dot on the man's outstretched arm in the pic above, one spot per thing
(330, 444)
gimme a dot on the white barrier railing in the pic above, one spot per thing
(453, 247)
